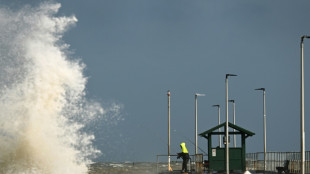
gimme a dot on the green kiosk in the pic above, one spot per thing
(216, 155)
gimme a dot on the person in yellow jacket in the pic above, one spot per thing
(185, 156)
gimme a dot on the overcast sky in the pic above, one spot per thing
(136, 50)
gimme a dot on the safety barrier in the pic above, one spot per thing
(195, 163)
(255, 161)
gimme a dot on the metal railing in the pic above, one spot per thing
(176, 164)
(255, 161)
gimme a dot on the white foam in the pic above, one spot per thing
(41, 96)
(247, 172)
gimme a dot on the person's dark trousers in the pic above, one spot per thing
(184, 165)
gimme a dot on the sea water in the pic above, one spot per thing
(43, 108)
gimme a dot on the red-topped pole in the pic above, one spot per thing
(169, 167)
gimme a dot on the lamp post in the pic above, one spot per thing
(226, 127)
(234, 120)
(302, 107)
(196, 144)
(219, 122)
(264, 117)
(168, 94)
(196, 140)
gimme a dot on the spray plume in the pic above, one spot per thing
(42, 96)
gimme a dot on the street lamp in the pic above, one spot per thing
(219, 122)
(168, 94)
(302, 107)
(264, 117)
(196, 145)
(234, 120)
(226, 129)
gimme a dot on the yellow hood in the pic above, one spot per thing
(183, 147)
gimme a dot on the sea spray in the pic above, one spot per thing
(42, 96)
